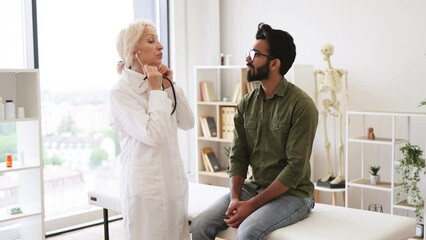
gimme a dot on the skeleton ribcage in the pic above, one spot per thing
(331, 81)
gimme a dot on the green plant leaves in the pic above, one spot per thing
(411, 168)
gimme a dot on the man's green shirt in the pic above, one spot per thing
(275, 137)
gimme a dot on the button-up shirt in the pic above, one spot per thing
(275, 137)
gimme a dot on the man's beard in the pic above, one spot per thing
(257, 74)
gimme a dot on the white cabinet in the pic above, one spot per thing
(392, 131)
(22, 184)
(223, 81)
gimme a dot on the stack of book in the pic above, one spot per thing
(208, 126)
(210, 161)
(227, 124)
(207, 93)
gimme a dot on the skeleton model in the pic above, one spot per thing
(333, 85)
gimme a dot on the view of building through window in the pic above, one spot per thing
(77, 58)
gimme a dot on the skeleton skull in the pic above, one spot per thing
(327, 50)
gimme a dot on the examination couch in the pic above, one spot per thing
(325, 221)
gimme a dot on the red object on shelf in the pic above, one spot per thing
(9, 160)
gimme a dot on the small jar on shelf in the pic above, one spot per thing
(9, 160)
(10, 109)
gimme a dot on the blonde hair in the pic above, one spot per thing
(127, 40)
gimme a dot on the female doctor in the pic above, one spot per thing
(146, 111)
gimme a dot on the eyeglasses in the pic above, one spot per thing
(252, 54)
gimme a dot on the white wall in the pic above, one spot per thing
(196, 41)
(382, 44)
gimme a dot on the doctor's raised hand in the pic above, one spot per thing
(147, 108)
(167, 72)
(155, 78)
(167, 75)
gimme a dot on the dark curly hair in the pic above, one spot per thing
(280, 43)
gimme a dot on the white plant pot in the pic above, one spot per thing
(411, 202)
(374, 180)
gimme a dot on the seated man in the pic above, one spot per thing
(275, 127)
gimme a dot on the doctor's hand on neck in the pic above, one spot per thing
(166, 72)
(155, 78)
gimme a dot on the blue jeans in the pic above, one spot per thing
(278, 213)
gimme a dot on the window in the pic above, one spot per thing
(77, 61)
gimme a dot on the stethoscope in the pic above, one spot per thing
(170, 81)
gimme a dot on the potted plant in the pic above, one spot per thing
(375, 177)
(411, 168)
(422, 103)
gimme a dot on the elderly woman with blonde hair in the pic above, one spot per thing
(147, 108)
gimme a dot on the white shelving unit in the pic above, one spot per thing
(224, 80)
(22, 184)
(393, 130)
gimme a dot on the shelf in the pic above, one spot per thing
(378, 140)
(404, 205)
(221, 174)
(401, 128)
(365, 183)
(23, 87)
(4, 169)
(211, 139)
(18, 120)
(325, 189)
(220, 67)
(217, 103)
(223, 81)
(15, 70)
(390, 114)
(6, 218)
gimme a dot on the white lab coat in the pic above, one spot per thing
(154, 187)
